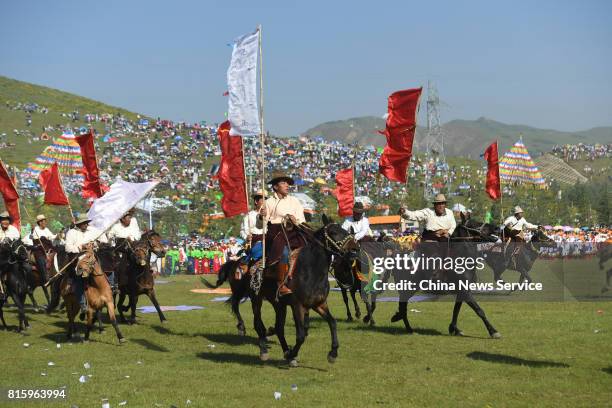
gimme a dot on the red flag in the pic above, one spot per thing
(231, 173)
(493, 184)
(91, 185)
(344, 192)
(399, 131)
(52, 185)
(10, 196)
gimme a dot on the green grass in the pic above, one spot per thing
(549, 355)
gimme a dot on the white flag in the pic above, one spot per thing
(121, 197)
(242, 87)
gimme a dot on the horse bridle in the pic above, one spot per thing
(339, 246)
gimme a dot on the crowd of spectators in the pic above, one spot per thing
(583, 151)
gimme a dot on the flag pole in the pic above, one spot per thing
(13, 179)
(262, 140)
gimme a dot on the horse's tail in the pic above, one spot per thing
(224, 274)
(55, 295)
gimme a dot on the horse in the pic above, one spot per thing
(462, 244)
(97, 292)
(524, 258)
(14, 267)
(309, 286)
(138, 262)
(604, 253)
(34, 277)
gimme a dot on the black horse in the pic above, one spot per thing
(310, 287)
(522, 261)
(14, 267)
(462, 244)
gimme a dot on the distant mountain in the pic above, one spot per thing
(462, 137)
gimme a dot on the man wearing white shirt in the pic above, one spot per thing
(249, 231)
(124, 231)
(513, 231)
(76, 241)
(439, 222)
(359, 223)
(7, 231)
(126, 228)
(42, 239)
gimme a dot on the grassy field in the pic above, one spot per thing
(551, 354)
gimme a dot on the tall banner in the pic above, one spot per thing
(91, 185)
(401, 124)
(231, 173)
(10, 196)
(52, 186)
(493, 183)
(344, 192)
(243, 113)
(121, 197)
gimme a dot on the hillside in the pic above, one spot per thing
(463, 137)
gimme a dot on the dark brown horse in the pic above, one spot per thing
(34, 278)
(310, 287)
(136, 261)
(14, 267)
(97, 292)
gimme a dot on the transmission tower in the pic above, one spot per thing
(434, 143)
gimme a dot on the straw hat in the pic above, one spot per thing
(518, 209)
(40, 217)
(81, 219)
(5, 216)
(279, 176)
(440, 198)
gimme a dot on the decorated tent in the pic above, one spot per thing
(517, 166)
(65, 151)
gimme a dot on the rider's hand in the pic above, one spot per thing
(262, 211)
(293, 219)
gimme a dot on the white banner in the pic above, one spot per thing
(121, 197)
(242, 87)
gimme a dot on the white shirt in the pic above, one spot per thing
(39, 233)
(361, 227)
(249, 225)
(10, 234)
(518, 225)
(120, 231)
(277, 208)
(432, 221)
(75, 238)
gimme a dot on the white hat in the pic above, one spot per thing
(40, 217)
(518, 209)
(440, 198)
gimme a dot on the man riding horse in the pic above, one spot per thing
(77, 240)
(42, 239)
(439, 222)
(359, 222)
(282, 213)
(513, 232)
(123, 234)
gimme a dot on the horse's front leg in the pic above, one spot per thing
(280, 310)
(299, 311)
(349, 318)
(324, 312)
(152, 296)
(469, 299)
(453, 330)
(260, 328)
(355, 304)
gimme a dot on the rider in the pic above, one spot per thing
(77, 239)
(42, 238)
(249, 231)
(439, 221)
(513, 230)
(7, 231)
(123, 233)
(359, 222)
(281, 237)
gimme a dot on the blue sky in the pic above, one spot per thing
(541, 63)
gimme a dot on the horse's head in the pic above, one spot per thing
(337, 240)
(153, 240)
(476, 231)
(19, 251)
(539, 236)
(87, 263)
(140, 251)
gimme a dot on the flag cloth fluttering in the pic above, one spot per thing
(401, 124)
(10, 196)
(51, 184)
(91, 184)
(517, 166)
(344, 192)
(119, 199)
(493, 183)
(231, 176)
(242, 112)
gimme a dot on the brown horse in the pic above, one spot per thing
(33, 275)
(136, 260)
(98, 294)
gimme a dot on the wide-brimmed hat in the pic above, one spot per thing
(5, 216)
(358, 207)
(260, 194)
(279, 176)
(40, 217)
(439, 198)
(81, 219)
(518, 209)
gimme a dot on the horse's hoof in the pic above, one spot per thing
(264, 356)
(331, 359)
(293, 363)
(358, 315)
(349, 319)
(271, 331)
(496, 335)
(366, 318)
(243, 333)
(163, 321)
(372, 323)
(122, 340)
